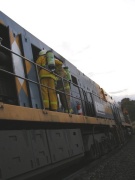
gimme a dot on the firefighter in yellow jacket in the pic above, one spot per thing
(64, 73)
(47, 78)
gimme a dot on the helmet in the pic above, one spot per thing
(57, 62)
(42, 52)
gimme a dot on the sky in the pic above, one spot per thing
(98, 37)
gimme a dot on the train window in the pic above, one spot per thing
(4, 34)
(74, 80)
(35, 51)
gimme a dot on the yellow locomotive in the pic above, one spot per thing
(35, 140)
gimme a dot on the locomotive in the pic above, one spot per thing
(34, 141)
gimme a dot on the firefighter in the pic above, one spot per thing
(64, 73)
(47, 78)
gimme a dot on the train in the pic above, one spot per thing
(35, 141)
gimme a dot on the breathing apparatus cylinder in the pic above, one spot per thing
(50, 60)
(68, 73)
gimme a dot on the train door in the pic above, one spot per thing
(76, 95)
(35, 90)
(8, 93)
(90, 110)
(87, 103)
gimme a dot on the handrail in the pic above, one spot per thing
(83, 100)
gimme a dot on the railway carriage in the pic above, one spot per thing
(34, 141)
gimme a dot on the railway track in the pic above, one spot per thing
(84, 168)
(112, 166)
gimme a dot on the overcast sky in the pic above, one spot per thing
(97, 36)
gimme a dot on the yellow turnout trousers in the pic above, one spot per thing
(49, 95)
